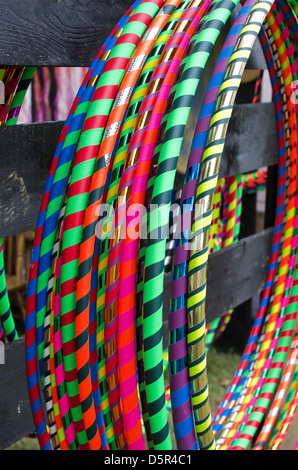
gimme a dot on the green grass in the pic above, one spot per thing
(221, 368)
(28, 443)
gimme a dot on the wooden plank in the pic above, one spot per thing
(26, 152)
(234, 275)
(56, 32)
(251, 141)
(64, 32)
(16, 419)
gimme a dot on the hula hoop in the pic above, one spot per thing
(94, 324)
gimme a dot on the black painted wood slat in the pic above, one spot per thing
(64, 32)
(16, 419)
(26, 152)
(237, 273)
(234, 275)
(56, 33)
(251, 141)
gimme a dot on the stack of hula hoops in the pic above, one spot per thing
(94, 323)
